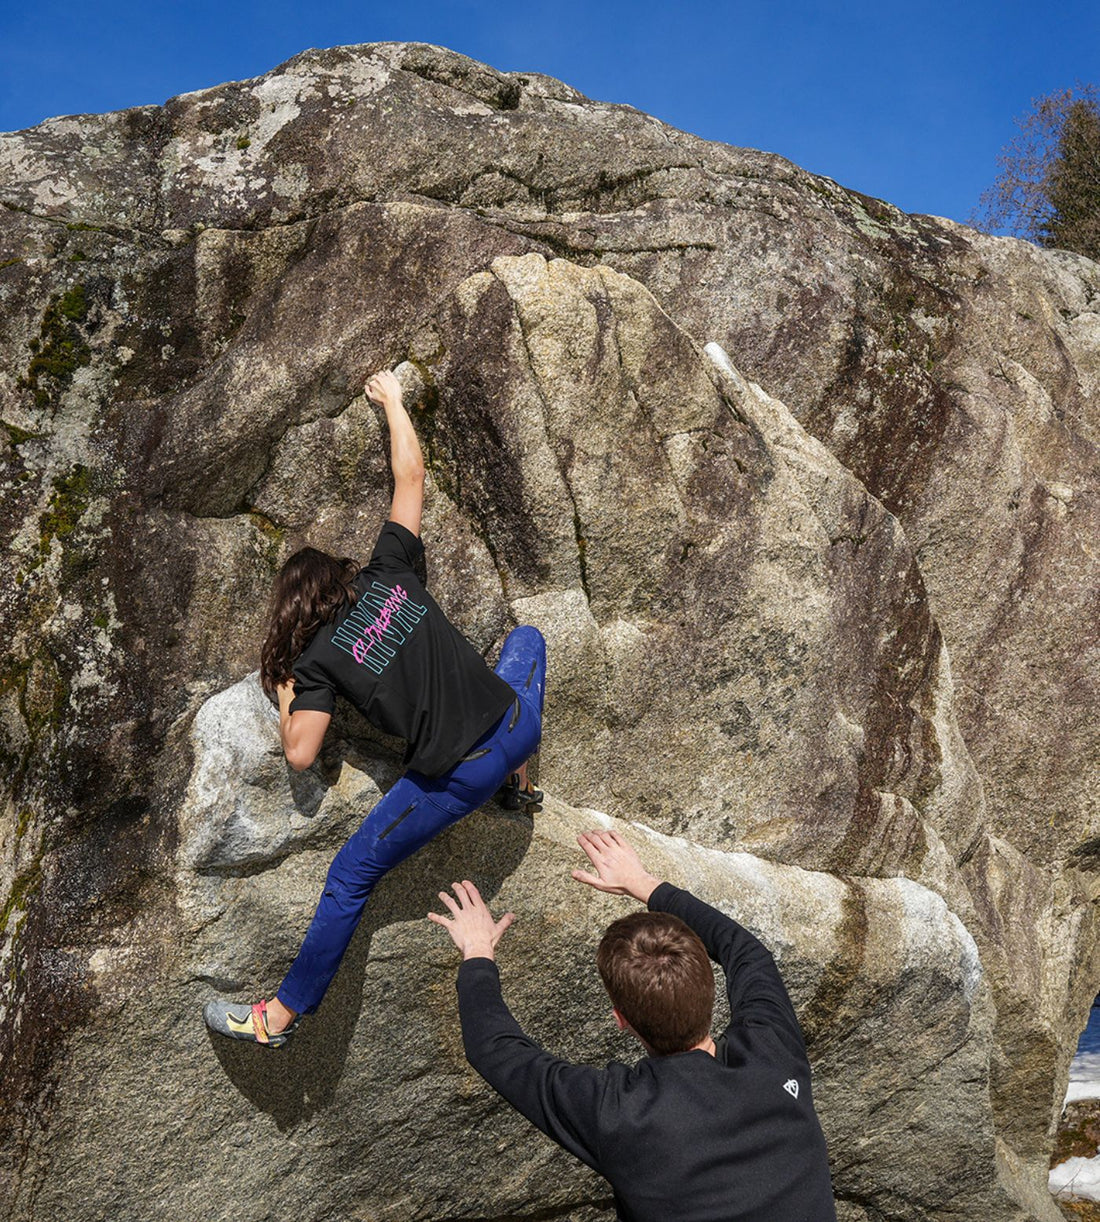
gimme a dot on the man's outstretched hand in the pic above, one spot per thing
(619, 869)
(471, 924)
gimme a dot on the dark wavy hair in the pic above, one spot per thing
(310, 590)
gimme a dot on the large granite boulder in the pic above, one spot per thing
(802, 493)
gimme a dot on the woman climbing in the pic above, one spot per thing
(376, 636)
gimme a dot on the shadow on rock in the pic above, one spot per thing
(296, 1081)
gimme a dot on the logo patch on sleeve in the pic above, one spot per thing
(791, 1087)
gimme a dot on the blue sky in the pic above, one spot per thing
(907, 102)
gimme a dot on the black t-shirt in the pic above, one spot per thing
(400, 661)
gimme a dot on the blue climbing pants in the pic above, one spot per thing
(411, 813)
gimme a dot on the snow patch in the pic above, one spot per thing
(1084, 1077)
(1078, 1177)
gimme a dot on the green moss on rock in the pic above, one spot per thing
(266, 527)
(61, 347)
(71, 495)
(73, 304)
(271, 537)
(23, 887)
(16, 435)
(45, 696)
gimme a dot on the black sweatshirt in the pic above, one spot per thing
(681, 1138)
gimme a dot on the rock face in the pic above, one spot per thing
(802, 493)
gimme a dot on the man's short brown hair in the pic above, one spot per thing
(659, 978)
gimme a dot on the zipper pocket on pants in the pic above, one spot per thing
(400, 818)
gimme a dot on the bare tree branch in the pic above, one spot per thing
(1048, 185)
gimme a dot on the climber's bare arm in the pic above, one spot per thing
(406, 460)
(302, 732)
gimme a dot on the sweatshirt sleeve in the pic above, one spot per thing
(753, 985)
(561, 1099)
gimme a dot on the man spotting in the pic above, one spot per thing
(696, 1131)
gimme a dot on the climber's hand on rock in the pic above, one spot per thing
(471, 924)
(384, 389)
(619, 870)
